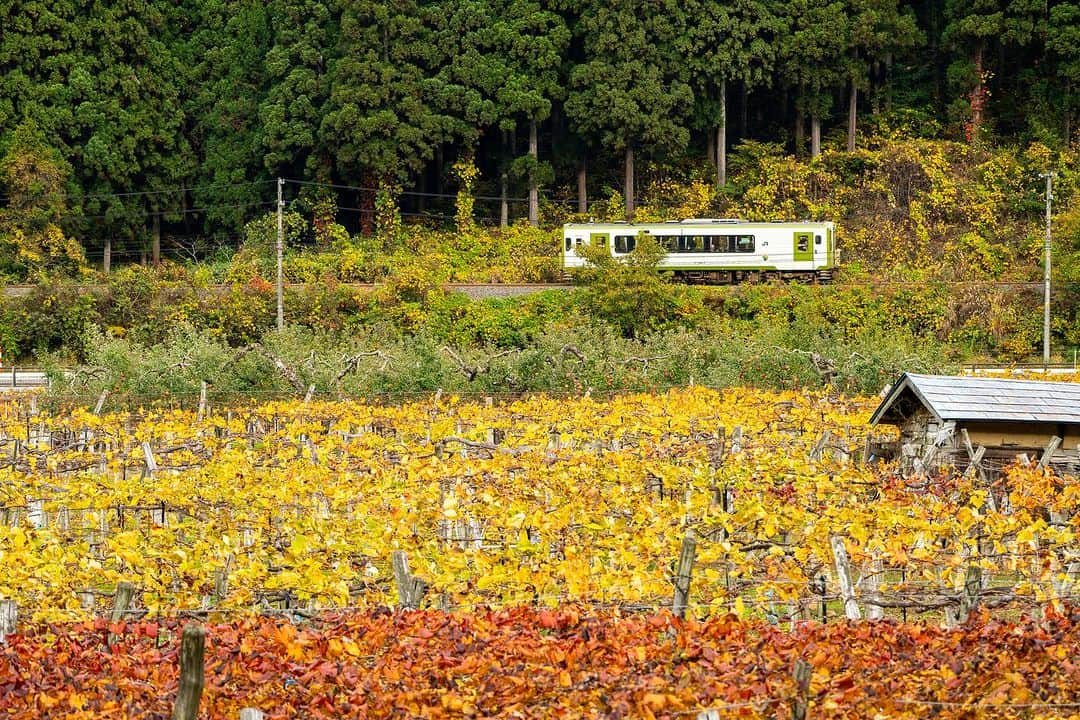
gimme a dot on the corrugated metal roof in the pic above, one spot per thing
(950, 397)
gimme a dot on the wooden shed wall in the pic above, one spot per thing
(1021, 435)
(1002, 440)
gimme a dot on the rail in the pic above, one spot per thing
(1020, 368)
(22, 378)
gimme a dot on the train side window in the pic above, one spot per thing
(802, 243)
(625, 243)
(631, 243)
(694, 243)
(579, 241)
(744, 243)
(569, 242)
(817, 239)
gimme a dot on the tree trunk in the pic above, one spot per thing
(745, 110)
(504, 207)
(504, 204)
(107, 261)
(721, 139)
(710, 147)
(367, 204)
(978, 97)
(853, 100)
(156, 251)
(439, 170)
(800, 131)
(815, 135)
(534, 191)
(852, 104)
(628, 183)
(582, 189)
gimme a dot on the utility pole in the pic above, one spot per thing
(280, 253)
(1046, 268)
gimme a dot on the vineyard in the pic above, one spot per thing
(628, 556)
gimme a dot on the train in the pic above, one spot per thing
(718, 250)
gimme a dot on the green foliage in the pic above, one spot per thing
(33, 176)
(257, 256)
(631, 90)
(571, 357)
(629, 292)
(380, 121)
(466, 173)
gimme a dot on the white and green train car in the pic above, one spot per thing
(718, 250)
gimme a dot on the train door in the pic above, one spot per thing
(804, 246)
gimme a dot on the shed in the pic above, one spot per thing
(944, 419)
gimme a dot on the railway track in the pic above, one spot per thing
(475, 290)
(484, 290)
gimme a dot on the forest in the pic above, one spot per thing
(124, 123)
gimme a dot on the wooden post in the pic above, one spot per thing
(975, 465)
(864, 459)
(310, 394)
(9, 619)
(35, 513)
(800, 704)
(202, 400)
(1051, 448)
(873, 586)
(410, 588)
(251, 714)
(736, 440)
(148, 455)
(969, 597)
(124, 592)
(682, 575)
(819, 446)
(192, 672)
(843, 577)
(101, 402)
(221, 581)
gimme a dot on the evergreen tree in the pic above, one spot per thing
(811, 60)
(632, 90)
(728, 41)
(128, 142)
(36, 53)
(226, 54)
(876, 29)
(302, 36)
(974, 29)
(1063, 49)
(503, 60)
(383, 118)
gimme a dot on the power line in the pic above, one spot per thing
(187, 211)
(409, 193)
(144, 193)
